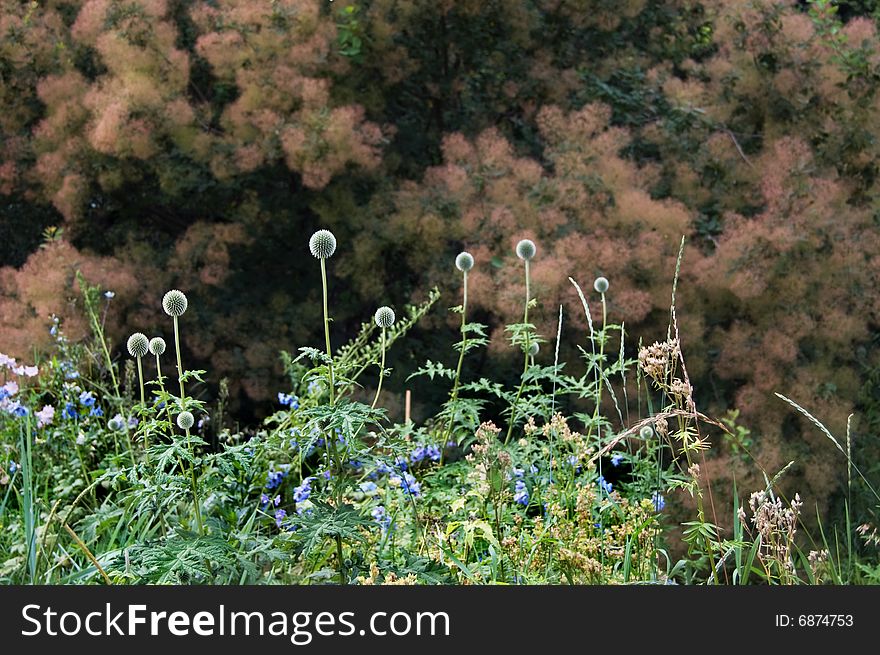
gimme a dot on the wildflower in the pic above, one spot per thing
(521, 493)
(433, 453)
(303, 491)
(658, 501)
(6, 360)
(604, 484)
(96, 411)
(322, 244)
(417, 455)
(412, 486)
(534, 348)
(525, 249)
(384, 317)
(280, 515)
(80, 439)
(646, 432)
(109, 295)
(17, 409)
(368, 487)
(138, 344)
(174, 303)
(264, 500)
(288, 399)
(277, 500)
(157, 346)
(13, 467)
(314, 387)
(27, 371)
(601, 285)
(464, 262)
(45, 416)
(274, 478)
(87, 399)
(70, 372)
(616, 458)
(132, 422)
(185, 420)
(380, 515)
(70, 411)
(117, 423)
(8, 389)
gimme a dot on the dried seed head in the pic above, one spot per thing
(464, 262)
(185, 420)
(525, 249)
(138, 344)
(601, 285)
(322, 244)
(384, 317)
(157, 346)
(174, 303)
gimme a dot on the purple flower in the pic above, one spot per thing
(264, 500)
(433, 453)
(45, 416)
(303, 491)
(381, 517)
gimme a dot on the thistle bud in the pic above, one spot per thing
(174, 303)
(525, 249)
(384, 317)
(185, 420)
(157, 346)
(322, 244)
(138, 344)
(464, 262)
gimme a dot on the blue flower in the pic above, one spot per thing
(658, 500)
(280, 515)
(274, 478)
(96, 411)
(314, 387)
(381, 517)
(13, 467)
(417, 455)
(70, 411)
(616, 459)
(604, 484)
(264, 500)
(132, 422)
(288, 399)
(277, 500)
(368, 487)
(303, 491)
(17, 409)
(521, 493)
(412, 486)
(433, 453)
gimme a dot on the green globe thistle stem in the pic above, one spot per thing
(179, 365)
(381, 372)
(144, 405)
(327, 327)
(454, 396)
(195, 492)
(513, 406)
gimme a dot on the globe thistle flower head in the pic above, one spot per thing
(384, 317)
(646, 432)
(117, 423)
(174, 303)
(322, 244)
(138, 344)
(601, 285)
(157, 346)
(185, 420)
(464, 262)
(534, 348)
(525, 249)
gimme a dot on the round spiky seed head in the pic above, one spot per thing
(525, 249)
(322, 244)
(185, 420)
(464, 262)
(174, 303)
(116, 424)
(157, 346)
(534, 348)
(384, 317)
(138, 344)
(646, 432)
(601, 285)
